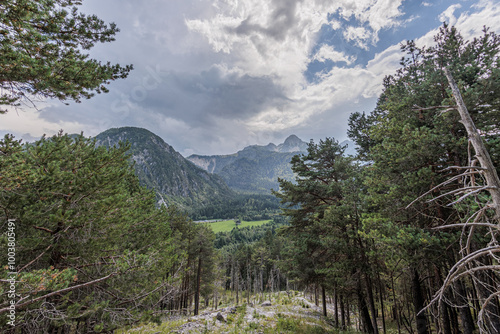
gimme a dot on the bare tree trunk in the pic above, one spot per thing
(316, 294)
(381, 303)
(237, 282)
(490, 172)
(249, 282)
(342, 313)
(465, 314)
(363, 310)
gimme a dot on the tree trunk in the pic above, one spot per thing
(418, 304)
(342, 313)
(465, 314)
(335, 302)
(382, 303)
(323, 294)
(198, 287)
(371, 300)
(363, 310)
(316, 294)
(490, 173)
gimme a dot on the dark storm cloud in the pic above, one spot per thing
(198, 99)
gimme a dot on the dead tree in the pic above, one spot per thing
(480, 265)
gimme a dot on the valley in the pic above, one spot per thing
(228, 225)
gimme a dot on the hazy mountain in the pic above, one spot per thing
(255, 169)
(160, 167)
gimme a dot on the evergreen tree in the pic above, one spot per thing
(42, 52)
(91, 247)
(412, 140)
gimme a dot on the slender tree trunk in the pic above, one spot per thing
(371, 301)
(418, 304)
(396, 307)
(465, 314)
(249, 282)
(335, 302)
(348, 313)
(363, 310)
(323, 294)
(316, 294)
(237, 282)
(381, 302)
(342, 313)
(198, 287)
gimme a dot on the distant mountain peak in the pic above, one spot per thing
(293, 144)
(292, 138)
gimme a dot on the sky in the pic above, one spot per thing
(213, 76)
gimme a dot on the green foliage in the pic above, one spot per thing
(41, 48)
(80, 216)
(411, 142)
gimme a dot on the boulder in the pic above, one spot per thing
(220, 317)
(266, 303)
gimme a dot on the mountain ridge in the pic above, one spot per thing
(256, 168)
(160, 167)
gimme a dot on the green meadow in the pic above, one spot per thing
(228, 225)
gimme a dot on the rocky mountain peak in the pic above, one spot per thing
(293, 144)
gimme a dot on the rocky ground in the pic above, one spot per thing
(281, 313)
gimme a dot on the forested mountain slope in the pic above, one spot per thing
(160, 167)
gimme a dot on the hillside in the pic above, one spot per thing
(281, 312)
(158, 166)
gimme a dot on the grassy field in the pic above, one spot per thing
(228, 225)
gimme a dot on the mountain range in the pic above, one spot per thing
(204, 185)
(255, 169)
(160, 167)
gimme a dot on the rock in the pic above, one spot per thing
(232, 310)
(266, 303)
(220, 317)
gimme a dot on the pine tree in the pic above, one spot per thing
(91, 246)
(42, 52)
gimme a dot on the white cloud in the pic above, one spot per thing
(232, 72)
(448, 15)
(359, 35)
(28, 125)
(327, 52)
(276, 37)
(469, 25)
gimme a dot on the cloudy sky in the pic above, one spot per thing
(213, 76)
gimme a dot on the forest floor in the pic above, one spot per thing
(279, 313)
